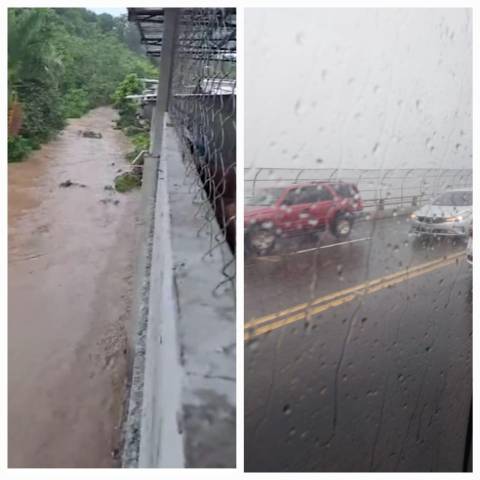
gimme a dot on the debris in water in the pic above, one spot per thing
(109, 200)
(69, 183)
(91, 134)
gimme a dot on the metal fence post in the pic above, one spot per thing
(298, 175)
(165, 81)
(255, 180)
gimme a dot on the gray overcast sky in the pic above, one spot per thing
(358, 88)
(115, 12)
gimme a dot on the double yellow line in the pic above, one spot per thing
(262, 325)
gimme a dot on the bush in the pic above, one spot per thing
(75, 103)
(127, 108)
(130, 85)
(127, 181)
(133, 130)
(128, 115)
(42, 112)
(18, 148)
(141, 141)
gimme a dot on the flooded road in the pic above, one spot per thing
(71, 254)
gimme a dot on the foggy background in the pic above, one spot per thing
(358, 88)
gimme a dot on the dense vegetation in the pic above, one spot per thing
(61, 63)
(134, 127)
(137, 130)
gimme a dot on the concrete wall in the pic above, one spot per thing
(147, 110)
(182, 399)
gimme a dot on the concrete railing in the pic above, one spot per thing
(181, 410)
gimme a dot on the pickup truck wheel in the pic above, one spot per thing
(261, 240)
(342, 226)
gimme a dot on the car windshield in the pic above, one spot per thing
(454, 199)
(264, 197)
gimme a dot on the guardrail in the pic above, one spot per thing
(380, 189)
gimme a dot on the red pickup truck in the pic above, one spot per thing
(297, 209)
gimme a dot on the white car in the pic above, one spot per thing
(470, 248)
(449, 215)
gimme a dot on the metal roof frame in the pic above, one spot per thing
(194, 23)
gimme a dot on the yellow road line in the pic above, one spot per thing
(341, 293)
(321, 304)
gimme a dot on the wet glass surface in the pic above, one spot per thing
(358, 227)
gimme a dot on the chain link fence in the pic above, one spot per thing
(191, 109)
(379, 189)
(200, 47)
(202, 105)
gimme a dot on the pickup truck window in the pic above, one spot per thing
(294, 197)
(264, 197)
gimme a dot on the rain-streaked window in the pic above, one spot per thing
(358, 239)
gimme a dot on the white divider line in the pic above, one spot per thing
(331, 245)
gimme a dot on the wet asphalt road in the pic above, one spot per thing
(375, 381)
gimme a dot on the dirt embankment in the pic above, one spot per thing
(71, 254)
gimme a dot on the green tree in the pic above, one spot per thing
(61, 63)
(130, 85)
(34, 69)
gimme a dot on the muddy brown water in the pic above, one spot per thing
(71, 253)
